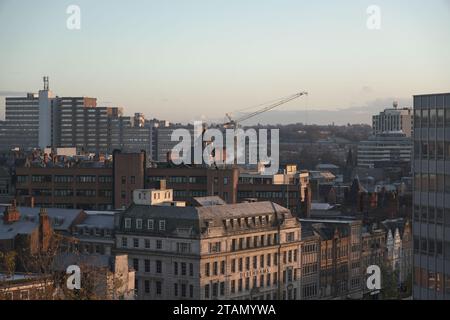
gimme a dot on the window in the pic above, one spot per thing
(215, 289)
(150, 224)
(147, 243)
(215, 247)
(138, 223)
(207, 291)
(207, 269)
(147, 265)
(233, 286)
(147, 286)
(183, 290)
(290, 236)
(222, 288)
(233, 245)
(183, 269)
(24, 295)
(255, 262)
(175, 268)
(191, 291)
(136, 286)
(159, 244)
(233, 265)
(136, 242)
(191, 269)
(124, 242)
(183, 247)
(158, 287)
(215, 268)
(162, 225)
(222, 267)
(132, 179)
(175, 289)
(127, 223)
(136, 264)
(124, 180)
(158, 266)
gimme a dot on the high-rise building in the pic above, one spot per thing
(129, 134)
(43, 120)
(393, 119)
(21, 125)
(431, 196)
(83, 124)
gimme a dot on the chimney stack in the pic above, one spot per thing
(45, 230)
(11, 213)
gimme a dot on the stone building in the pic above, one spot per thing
(214, 251)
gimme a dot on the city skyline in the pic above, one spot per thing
(174, 61)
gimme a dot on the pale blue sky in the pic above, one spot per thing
(179, 59)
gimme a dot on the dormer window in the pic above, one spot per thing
(162, 225)
(127, 223)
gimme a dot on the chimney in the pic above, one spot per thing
(162, 184)
(45, 230)
(29, 201)
(11, 213)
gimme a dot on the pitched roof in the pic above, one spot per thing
(61, 220)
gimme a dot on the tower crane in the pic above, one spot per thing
(234, 123)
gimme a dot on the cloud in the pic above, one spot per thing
(366, 90)
(6, 93)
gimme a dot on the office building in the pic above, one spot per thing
(130, 134)
(431, 196)
(83, 125)
(393, 119)
(384, 149)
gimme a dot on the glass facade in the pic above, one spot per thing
(431, 216)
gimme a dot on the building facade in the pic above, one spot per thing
(384, 148)
(393, 119)
(241, 251)
(431, 196)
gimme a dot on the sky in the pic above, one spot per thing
(183, 60)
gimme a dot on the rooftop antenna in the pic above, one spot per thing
(46, 83)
